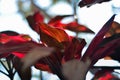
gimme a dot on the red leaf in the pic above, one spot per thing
(74, 49)
(56, 21)
(18, 54)
(6, 38)
(17, 46)
(89, 3)
(50, 35)
(97, 40)
(24, 75)
(106, 74)
(106, 50)
(34, 19)
(53, 62)
(20, 43)
(43, 67)
(76, 27)
(38, 17)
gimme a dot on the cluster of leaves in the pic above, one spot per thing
(57, 52)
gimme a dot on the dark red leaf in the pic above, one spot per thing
(34, 19)
(20, 43)
(106, 50)
(56, 21)
(110, 46)
(76, 27)
(43, 67)
(97, 40)
(10, 33)
(89, 3)
(38, 17)
(106, 74)
(24, 75)
(50, 35)
(53, 63)
(74, 49)
(6, 38)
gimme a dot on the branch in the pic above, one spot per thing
(4, 73)
(4, 66)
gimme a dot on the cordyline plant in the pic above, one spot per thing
(56, 52)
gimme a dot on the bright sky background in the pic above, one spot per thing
(94, 17)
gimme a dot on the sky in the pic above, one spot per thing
(93, 17)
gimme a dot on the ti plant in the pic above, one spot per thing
(56, 52)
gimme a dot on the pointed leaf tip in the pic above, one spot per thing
(97, 39)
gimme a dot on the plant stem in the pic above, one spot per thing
(9, 69)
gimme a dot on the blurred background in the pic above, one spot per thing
(13, 15)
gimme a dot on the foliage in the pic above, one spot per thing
(57, 52)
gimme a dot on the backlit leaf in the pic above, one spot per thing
(52, 36)
(34, 19)
(76, 27)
